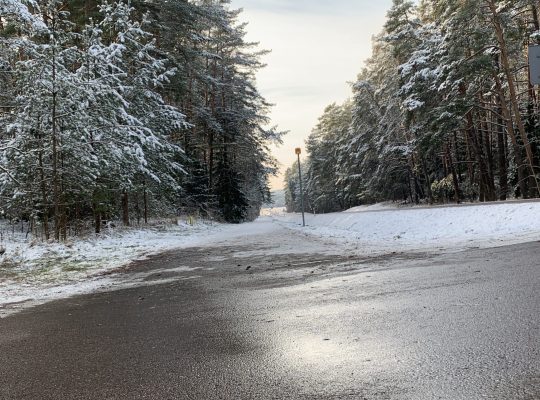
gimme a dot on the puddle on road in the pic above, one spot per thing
(337, 365)
(315, 350)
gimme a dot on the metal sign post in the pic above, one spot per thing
(298, 151)
(534, 64)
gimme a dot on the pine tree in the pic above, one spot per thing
(443, 110)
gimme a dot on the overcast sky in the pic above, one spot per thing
(317, 47)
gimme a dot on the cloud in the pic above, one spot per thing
(299, 92)
(306, 7)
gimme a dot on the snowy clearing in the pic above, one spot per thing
(385, 228)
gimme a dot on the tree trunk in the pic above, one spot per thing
(487, 190)
(535, 17)
(457, 158)
(145, 206)
(455, 180)
(55, 143)
(510, 131)
(211, 161)
(534, 190)
(137, 208)
(44, 197)
(428, 181)
(470, 161)
(503, 169)
(488, 151)
(125, 208)
(412, 182)
(97, 218)
(512, 89)
(63, 200)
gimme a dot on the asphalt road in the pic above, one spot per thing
(246, 325)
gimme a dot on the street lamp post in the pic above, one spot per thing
(298, 151)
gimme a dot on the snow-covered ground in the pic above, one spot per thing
(374, 207)
(386, 227)
(35, 272)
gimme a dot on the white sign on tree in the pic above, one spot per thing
(534, 64)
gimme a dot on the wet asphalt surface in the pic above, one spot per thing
(313, 326)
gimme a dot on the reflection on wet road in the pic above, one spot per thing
(246, 322)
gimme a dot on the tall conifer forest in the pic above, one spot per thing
(443, 111)
(127, 110)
